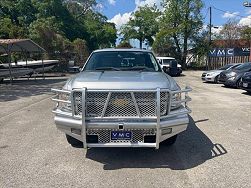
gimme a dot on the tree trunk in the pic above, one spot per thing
(184, 55)
(186, 34)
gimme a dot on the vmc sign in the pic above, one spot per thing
(228, 52)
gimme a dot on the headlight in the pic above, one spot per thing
(232, 74)
(231, 78)
(176, 97)
(210, 74)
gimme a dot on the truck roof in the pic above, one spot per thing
(122, 49)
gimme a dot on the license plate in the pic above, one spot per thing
(245, 84)
(121, 135)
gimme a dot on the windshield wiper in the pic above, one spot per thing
(141, 68)
(107, 68)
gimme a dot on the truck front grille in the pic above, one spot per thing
(121, 104)
(104, 135)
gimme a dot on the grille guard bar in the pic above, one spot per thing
(184, 110)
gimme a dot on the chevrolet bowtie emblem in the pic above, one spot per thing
(120, 102)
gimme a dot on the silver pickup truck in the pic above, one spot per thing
(121, 98)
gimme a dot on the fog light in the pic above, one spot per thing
(76, 131)
(166, 131)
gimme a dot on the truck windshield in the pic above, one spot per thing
(122, 61)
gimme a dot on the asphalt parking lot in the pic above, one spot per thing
(215, 151)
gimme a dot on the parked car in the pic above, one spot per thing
(232, 77)
(246, 82)
(170, 66)
(213, 75)
(121, 98)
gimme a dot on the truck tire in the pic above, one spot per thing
(170, 141)
(73, 141)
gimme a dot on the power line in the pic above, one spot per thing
(206, 14)
(233, 13)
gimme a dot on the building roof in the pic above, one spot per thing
(231, 43)
(19, 45)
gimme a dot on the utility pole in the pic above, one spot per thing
(210, 36)
(210, 25)
(248, 4)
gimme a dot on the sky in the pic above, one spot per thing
(118, 11)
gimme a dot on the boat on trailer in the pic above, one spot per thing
(38, 66)
(22, 68)
(15, 72)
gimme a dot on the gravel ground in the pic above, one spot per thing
(215, 151)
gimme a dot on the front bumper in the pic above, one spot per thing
(208, 78)
(163, 127)
(175, 124)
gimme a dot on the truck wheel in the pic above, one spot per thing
(73, 141)
(170, 141)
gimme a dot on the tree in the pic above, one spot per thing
(56, 24)
(182, 21)
(46, 32)
(102, 34)
(230, 32)
(81, 51)
(124, 45)
(16, 16)
(80, 7)
(163, 45)
(10, 30)
(246, 33)
(143, 25)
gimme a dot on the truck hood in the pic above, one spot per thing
(121, 80)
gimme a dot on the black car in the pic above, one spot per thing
(246, 82)
(232, 77)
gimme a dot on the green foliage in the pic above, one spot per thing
(46, 32)
(182, 22)
(246, 33)
(10, 30)
(103, 33)
(81, 51)
(163, 45)
(56, 25)
(79, 8)
(143, 25)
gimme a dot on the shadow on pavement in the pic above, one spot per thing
(191, 149)
(27, 88)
